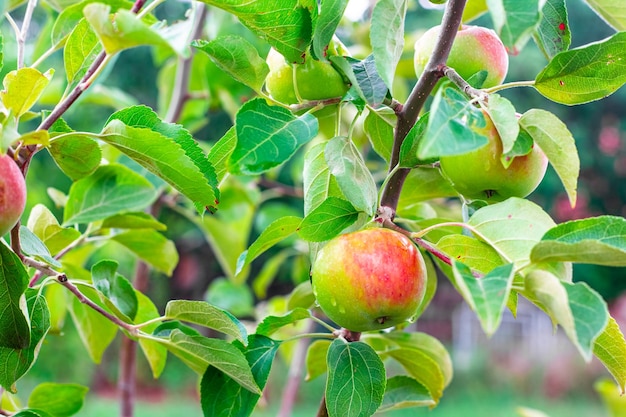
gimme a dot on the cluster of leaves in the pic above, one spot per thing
(500, 252)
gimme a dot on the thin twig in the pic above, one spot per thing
(21, 39)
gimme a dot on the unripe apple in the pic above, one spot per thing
(475, 49)
(480, 174)
(12, 194)
(316, 80)
(369, 280)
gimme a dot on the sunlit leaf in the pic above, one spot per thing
(387, 37)
(596, 240)
(237, 57)
(204, 314)
(585, 74)
(610, 348)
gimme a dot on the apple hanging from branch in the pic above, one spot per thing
(369, 280)
(12, 194)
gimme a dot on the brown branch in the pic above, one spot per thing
(408, 114)
(62, 279)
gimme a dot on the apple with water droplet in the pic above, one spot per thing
(369, 280)
(12, 194)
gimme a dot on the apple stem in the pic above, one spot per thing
(409, 112)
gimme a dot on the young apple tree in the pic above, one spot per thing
(390, 186)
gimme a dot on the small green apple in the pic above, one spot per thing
(369, 280)
(480, 174)
(12, 194)
(316, 80)
(475, 49)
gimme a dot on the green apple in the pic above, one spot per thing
(475, 49)
(316, 80)
(12, 194)
(481, 175)
(369, 280)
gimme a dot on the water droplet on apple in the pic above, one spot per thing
(333, 302)
(342, 310)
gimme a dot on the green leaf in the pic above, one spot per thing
(553, 33)
(420, 366)
(271, 324)
(410, 145)
(155, 352)
(277, 231)
(22, 89)
(178, 159)
(138, 220)
(110, 190)
(315, 361)
(78, 156)
(452, 126)
(354, 178)
(267, 136)
(223, 396)
(427, 345)
(198, 352)
(284, 24)
(612, 11)
(331, 12)
(590, 313)
(368, 82)
(423, 184)
(502, 114)
(387, 37)
(235, 298)
(328, 220)
(124, 31)
(487, 295)
(152, 247)
(318, 183)
(356, 380)
(204, 314)
(596, 240)
(33, 413)
(301, 296)
(219, 155)
(577, 308)
(610, 348)
(512, 227)
(80, 51)
(96, 331)
(590, 72)
(14, 328)
(115, 287)
(16, 362)
(71, 16)
(515, 21)
(380, 131)
(469, 251)
(228, 230)
(32, 246)
(403, 392)
(557, 143)
(238, 57)
(60, 400)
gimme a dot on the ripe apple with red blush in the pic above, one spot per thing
(369, 280)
